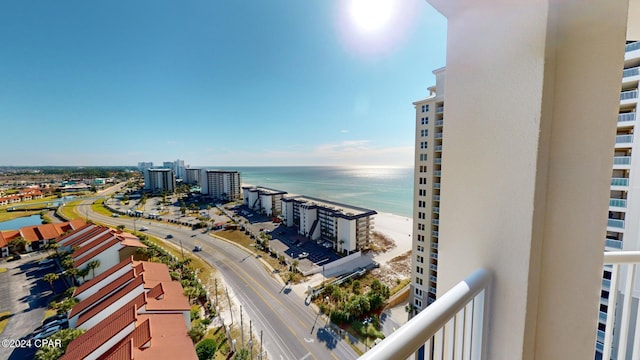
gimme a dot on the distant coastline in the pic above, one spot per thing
(384, 189)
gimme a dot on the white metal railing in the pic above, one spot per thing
(453, 327)
(619, 181)
(439, 122)
(438, 148)
(623, 273)
(438, 135)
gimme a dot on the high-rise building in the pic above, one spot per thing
(623, 224)
(158, 180)
(192, 176)
(143, 165)
(177, 166)
(426, 190)
(221, 184)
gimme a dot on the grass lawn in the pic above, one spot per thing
(4, 320)
(4, 215)
(98, 207)
(68, 211)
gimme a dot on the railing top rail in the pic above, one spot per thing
(621, 257)
(409, 337)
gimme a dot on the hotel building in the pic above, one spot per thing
(221, 184)
(192, 176)
(426, 190)
(347, 227)
(158, 180)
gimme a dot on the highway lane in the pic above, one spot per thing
(291, 330)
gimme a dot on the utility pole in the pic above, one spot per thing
(241, 330)
(250, 339)
(260, 344)
(229, 300)
(216, 282)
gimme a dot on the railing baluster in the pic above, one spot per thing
(468, 324)
(438, 345)
(459, 335)
(477, 337)
(449, 338)
(611, 312)
(626, 312)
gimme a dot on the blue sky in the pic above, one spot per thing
(216, 83)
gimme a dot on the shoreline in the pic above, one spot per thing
(396, 227)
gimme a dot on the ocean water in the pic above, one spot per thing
(384, 189)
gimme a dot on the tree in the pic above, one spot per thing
(66, 305)
(294, 265)
(206, 349)
(83, 273)
(410, 309)
(71, 273)
(93, 265)
(50, 278)
(55, 352)
(52, 245)
(67, 262)
(191, 292)
(19, 244)
(120, 227)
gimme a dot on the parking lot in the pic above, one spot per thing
(25, 296)
(287, 241)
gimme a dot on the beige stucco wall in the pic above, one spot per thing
(531, 100)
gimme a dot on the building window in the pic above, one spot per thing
(425, 108)
(425, 120)
(419, 292)
(418, 281)
(423, 144)
(418, 303)
(423, 157)
(424, 132)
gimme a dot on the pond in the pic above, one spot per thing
(16, 224)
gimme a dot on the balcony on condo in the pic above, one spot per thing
(620, 203)
(626, 119)
(620, 182)
(628, 96)
(635, 71)
(624, 140)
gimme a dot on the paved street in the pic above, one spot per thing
(291, 329)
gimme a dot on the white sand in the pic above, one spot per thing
(396, 227)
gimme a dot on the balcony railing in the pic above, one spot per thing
(436, 185)
(438, 135)
(437, 173)
(439, 109)
(438, 148)
(624, 139)
(450, 328)
(618, 203)
(627, 95)
(623, 275)
(615, 223)
(436, 210)
(622, 160)
(630, 72)
(612, 243)
(619, 181)
(631, 116)
(632, 46)
(441, 122)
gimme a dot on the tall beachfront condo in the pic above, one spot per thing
(221, 184)
(426, 194)
(143, 165)
(158, 180)
(623, 225)
(192, 176)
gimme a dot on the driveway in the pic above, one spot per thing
(26, 296)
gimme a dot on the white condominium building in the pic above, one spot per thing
(347, 228)
(192, 176)
(263, 200)
(158, 180)
(426, 190)
(221, 184)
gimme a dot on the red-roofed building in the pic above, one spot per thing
(100, 296)
(37, 235)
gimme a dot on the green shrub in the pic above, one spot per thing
(206, 349)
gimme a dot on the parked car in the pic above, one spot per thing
(54, 318)
(62, 323)
(303, 255)
(48, 332)
(45, 261)
(15, 257)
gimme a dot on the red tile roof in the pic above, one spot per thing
(61, 239)
(88, 247)
(77, 241)
(95, 252)
(110, 300)
(171, 299)
(95, 337)
(80, 289)
(121, 352)
(48, 232)
(103, 293)
(8, 235)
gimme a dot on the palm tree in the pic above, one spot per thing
(191, 292)
(50, 278)
(294, 265)
(71, 273)
(67, 262)
(52, 245)
(83, 273)
(93, 265)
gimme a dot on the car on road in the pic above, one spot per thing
(144, 228)
(115, 215)
(48, 332)
(197, 248)
(169, 236)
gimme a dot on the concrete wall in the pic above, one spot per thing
(531, 104)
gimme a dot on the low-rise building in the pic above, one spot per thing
(347, 228)
(263, 200)
(37, 235)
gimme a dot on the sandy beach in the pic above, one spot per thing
(399, 229)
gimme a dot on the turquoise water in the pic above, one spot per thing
(384, 189)
(16, 224)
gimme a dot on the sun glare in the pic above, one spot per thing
(371, 15)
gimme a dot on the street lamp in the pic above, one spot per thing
(181, 250)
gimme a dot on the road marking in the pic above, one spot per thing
(306, 356)
(309, 340)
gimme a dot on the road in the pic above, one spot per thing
(291, 329)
